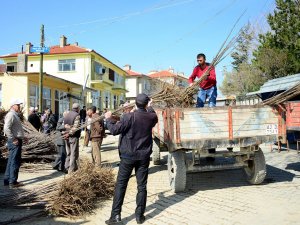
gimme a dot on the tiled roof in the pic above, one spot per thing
(133, 73)
(165, 73)
(57, 50)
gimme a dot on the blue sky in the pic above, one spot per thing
(148, 35)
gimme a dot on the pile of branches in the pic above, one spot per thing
(73, 197)
(39, 147)
(79, 193)
(284, 96)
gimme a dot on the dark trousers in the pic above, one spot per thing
(13, 163)
(61, 158)
(141, 171)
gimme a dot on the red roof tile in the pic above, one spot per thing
(163, 73)
(133, 73)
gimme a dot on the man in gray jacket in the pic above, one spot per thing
(72, 123)
(15, 135)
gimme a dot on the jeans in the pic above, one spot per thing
(13, 163)
(141, 172)
(210, 93)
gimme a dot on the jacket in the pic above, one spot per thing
(136, 133)
(12, 126)
(35, 121)
(59, 128)
(97, 128)
(73, 119)
(209, 82)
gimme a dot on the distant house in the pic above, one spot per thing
(169, 76)
(77, 64)
(137, 83)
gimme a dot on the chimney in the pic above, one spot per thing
(62, 41)
(171, 70)
(76, 43)
(127, 67)
(27, 48)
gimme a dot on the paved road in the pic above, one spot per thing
(222, 197)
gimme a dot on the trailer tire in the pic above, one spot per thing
(155, 153)
(177, 171)
(256, 169)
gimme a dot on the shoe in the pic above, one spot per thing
(16, 185)
(5, 183)
(114, 220)
(140, 219)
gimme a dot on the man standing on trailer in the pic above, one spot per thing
(208, 87)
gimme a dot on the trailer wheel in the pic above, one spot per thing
(155, 153)
(177, 171)
(256, 169)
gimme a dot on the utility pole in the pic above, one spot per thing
(41, 71)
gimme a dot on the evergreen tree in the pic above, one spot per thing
(282, 42)
(242, 51)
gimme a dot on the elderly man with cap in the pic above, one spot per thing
(72, 123)
(34, 119)
(15, 135)
(135, 147)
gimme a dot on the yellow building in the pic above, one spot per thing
(58, 94)
(79, 65)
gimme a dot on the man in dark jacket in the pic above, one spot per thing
(96, 136)
(72, 123)
(34, 119)
(60, 160)
(135, 147)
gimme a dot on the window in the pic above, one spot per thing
(0, 94)
(34, 96)
(107, 99)
(62, 102)
(66, 65)
(111, 75)
(99, 68)
(11, 67)
(47, 98)
(99, 71)
(115, 101)
(116, 78)
(96, 99)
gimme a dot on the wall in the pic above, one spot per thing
(14, 87)
(131, 87)
(50, 66)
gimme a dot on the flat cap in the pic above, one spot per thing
(142, 99)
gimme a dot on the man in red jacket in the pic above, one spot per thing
(208, 87)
